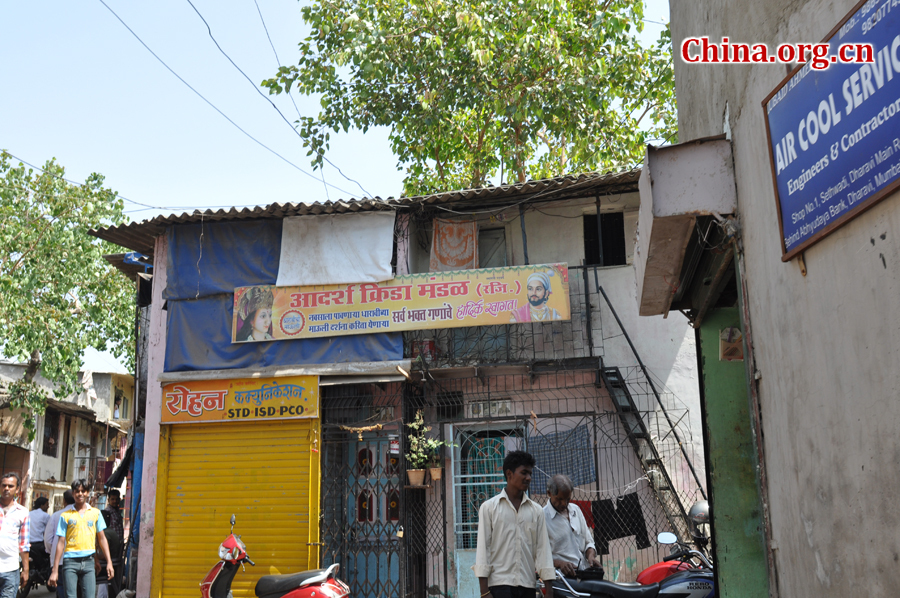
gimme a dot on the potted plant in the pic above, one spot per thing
(422, 451)
(435, 467)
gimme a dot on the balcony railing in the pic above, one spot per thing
(581, 336)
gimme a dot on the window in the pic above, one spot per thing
(478, 475)
(120, 404)
(51, 433)
(612, 225)
(492, 248)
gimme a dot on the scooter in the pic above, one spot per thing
(322, 583)
(39, 573)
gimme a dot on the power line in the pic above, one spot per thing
(76, 183)
(122, 197)
(262, 95)
(225, 116)
(278, 62)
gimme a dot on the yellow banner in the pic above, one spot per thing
(242, 399)
(418, 301)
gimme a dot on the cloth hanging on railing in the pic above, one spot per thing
(454, 245)
(619, 520)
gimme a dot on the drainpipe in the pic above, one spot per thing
(599, 233)
(524, 236)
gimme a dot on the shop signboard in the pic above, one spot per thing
(833, 132)
(431, 300)
(240, 400)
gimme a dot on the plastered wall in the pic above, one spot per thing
(826, 344)
(555, 233)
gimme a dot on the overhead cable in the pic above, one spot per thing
(264, 96)
(213, 106)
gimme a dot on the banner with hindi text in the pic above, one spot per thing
(430, 300)
(242, 399)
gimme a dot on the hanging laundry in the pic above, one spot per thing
(619, 519)
(454, 245)
(336, 249)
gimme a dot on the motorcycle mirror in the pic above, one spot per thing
(667, 538)
(232, 522)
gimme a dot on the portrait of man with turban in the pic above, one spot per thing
(537, 291)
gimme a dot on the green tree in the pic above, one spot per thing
(475, 88)
(57, 293)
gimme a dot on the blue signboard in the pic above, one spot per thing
(834, 133)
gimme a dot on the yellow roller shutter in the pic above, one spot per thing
(263, 473)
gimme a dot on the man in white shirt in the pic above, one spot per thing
(37, 521)
(512, 537)
(14, 536)
(50, 538)
(570, 538)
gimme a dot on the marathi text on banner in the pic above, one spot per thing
(429, 300)
(244, 399)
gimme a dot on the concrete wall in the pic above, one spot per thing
(825, 344)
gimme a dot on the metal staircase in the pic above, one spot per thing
(639, 437)
(641, 441)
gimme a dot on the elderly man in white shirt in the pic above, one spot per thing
(570, 538)
(512, 537)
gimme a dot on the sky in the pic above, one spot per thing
(79, 87)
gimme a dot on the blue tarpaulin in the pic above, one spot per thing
(201, 282)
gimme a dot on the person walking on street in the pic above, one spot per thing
(37, 523)
(112, 515)
(570, 538)
(51, 539)
(80, 531)
(14, 536)
(512, 537)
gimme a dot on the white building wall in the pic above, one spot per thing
(825, 344)
(555, 233)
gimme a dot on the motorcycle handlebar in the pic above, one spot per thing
(249, 561)
(677, 555)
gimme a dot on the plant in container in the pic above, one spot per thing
(422, 451)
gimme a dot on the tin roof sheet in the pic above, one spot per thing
(140, 236)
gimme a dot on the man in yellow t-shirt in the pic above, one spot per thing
(79, 531)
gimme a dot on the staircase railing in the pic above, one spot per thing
(639, 435)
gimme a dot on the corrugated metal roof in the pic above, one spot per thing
(140, 236)
(117, 260)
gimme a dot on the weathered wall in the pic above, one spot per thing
(156, 358)
(825, 344)
(666, 346)
(737, 514)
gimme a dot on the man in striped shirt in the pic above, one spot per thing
(14, 535)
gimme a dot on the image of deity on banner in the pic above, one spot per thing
(537, 289)
(254, 315)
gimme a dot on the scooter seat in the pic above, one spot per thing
(606, 588)
(272, 586)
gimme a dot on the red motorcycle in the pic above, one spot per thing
(683, 558)
(322, 583)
